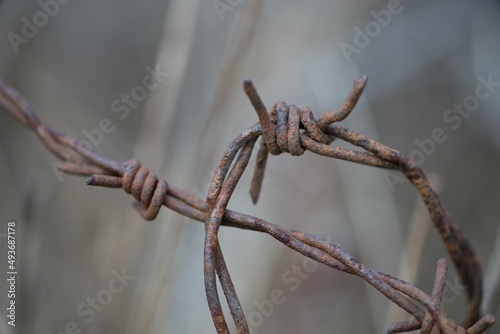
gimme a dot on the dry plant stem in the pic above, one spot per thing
(291, 129)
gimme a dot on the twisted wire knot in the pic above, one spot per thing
(285, 136)
(281, 127)
(145, 187)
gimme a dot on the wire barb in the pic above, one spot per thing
(352, 99)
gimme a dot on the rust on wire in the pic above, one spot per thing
(290, 129)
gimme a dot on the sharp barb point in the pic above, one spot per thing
(254, 196)
(90, 180)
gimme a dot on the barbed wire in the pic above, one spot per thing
(290, 129)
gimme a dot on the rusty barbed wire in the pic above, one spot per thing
(292, 129)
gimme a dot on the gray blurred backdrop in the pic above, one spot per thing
(423, 59)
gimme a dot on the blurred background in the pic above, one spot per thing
(167, 75)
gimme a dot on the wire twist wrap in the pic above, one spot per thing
(145, 187)
(284, 136)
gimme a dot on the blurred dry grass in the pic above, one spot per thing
(71, 237)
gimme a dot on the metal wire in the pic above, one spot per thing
(291, 129)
